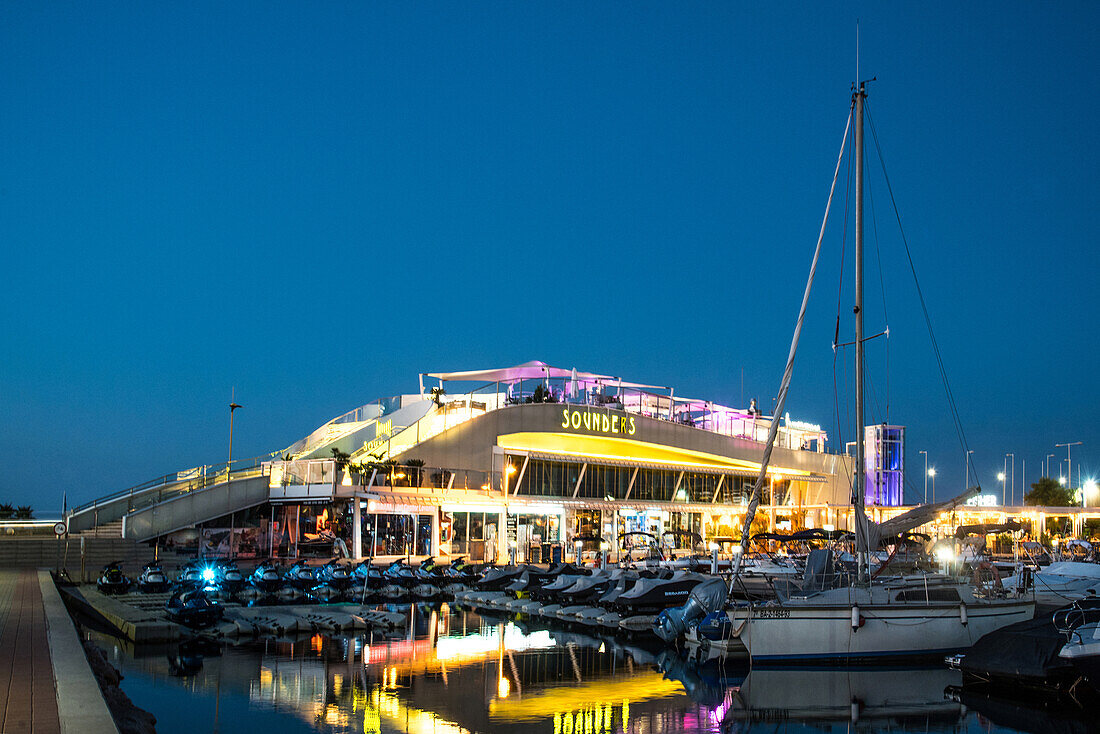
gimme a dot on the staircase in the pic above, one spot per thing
(111, 529)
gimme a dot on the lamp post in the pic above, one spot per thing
(229, 467)
(1069, 462)
(932, 473)
(229, 473)
(966, 477)
(1046, 470)
(1001, 479)
(1012, 477)
(925, 476)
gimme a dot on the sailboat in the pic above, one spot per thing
(833, 616)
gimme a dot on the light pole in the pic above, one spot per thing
(932, 473)
(1013, 476)
(966, 478)
(1001, 479)
(229, 467)
(925, 476)
(1069, 462)
(1046, 471)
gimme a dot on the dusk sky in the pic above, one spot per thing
(311, 203)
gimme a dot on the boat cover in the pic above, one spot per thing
(1026, 652)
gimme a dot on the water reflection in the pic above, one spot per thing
(452, 671)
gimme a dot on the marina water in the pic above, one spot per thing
(453, 671)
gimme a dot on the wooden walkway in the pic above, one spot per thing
(28, 701)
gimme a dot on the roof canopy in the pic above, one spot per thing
(533, 370)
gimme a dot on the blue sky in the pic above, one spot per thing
(313, 204)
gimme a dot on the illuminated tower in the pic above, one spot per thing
(884, 465)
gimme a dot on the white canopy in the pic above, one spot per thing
(532, 371)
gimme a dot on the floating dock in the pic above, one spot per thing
(141, 618)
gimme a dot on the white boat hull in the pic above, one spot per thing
(879, 632)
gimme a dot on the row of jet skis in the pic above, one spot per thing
(333, 581)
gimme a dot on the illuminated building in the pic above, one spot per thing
(522, 459)
(491, 463)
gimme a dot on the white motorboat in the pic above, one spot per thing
(1060, 582)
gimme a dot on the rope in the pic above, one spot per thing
(920, 295)
(784, 386)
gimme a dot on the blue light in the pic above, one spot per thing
(208, 574)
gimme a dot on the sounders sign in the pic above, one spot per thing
(601, 422)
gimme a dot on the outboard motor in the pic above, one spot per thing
(708, 596)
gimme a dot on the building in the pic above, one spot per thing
(530, 461)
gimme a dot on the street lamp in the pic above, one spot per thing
(932, 473)
(229, 467)
(1001, 479)
(1046, 471)
(966, 477)
(925, 476)
(1069, 461)
(1013, 476)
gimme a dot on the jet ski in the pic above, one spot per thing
(650, 596)
(300, 576)
(153, 579)
(266, 577)
(196, 572)
(366, 577)
(335, 574)
(547, 586)
(400, 574)
(113, 580)
(459, 572)
(495, 578)
(192, 608)
(228, 575)
(430, 579)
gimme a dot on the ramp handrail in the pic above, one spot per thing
(184, 477)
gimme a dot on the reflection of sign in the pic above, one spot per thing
(601, 422)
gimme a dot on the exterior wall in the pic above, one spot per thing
(470, 445)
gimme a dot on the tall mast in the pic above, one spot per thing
(858, 482)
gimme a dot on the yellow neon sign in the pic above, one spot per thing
(601, 422)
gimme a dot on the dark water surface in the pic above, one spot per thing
(454, 671)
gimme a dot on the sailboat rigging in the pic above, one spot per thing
(829, 615)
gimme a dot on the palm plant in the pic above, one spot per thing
(6, 511)
(24, 512)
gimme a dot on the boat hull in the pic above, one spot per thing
(792, 634)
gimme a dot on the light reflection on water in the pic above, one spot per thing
(453, 672)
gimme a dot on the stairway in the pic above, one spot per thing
(111, 529)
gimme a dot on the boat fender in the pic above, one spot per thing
(857, 619)
(962, 614)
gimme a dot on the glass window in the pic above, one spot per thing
(477, 526)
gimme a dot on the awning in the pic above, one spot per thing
(526, 371)
(536, 370)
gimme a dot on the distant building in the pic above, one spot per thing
(884, 465)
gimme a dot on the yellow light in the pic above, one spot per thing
(503, 687)
(511, 469)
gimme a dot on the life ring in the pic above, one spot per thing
(983, 584)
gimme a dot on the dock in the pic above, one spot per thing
(46, 684)
(141, 619)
